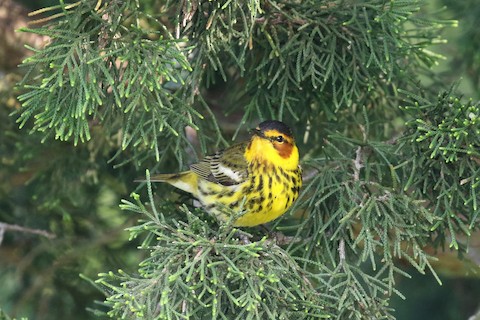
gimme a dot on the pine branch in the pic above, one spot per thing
(97, 70)
(330, 57)
(356, 213)
(197, 272)
(377, 191)
(444, 139)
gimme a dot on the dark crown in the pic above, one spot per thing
(275, 125)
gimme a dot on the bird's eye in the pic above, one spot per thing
(279, 139)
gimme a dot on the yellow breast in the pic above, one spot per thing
(263, 197)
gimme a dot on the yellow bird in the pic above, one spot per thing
(261, 176)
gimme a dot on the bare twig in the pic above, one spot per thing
(13, 227)
(280, 239)
(341, 251)
(364, 132)
(309, 174)
(358, 164)
(188, 13)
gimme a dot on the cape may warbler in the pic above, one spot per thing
(261, 176)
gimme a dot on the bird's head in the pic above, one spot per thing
(272, 142)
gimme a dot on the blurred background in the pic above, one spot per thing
(73, 193)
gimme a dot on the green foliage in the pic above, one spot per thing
(318, 54)
(105, 62)
(105, 66)
(449, 127)
(466, 46)
(356, 198)
(72, 193)
(444, 140)
(358, 221)
(197, 272)
(4, 316)
(149, 83)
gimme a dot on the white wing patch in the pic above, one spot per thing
(230, 173)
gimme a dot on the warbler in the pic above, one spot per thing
(262, 177)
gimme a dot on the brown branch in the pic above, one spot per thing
(13, 227)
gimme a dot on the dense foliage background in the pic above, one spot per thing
(386, 116)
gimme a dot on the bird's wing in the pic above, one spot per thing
(227, 167)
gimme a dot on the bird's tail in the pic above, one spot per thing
(186, 181)
(167, 177)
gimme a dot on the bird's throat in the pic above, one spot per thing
(262, 151)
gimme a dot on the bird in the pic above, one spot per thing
(260, 177)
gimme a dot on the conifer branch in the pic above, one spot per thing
(375, 191)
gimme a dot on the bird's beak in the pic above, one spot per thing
(257, 132)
